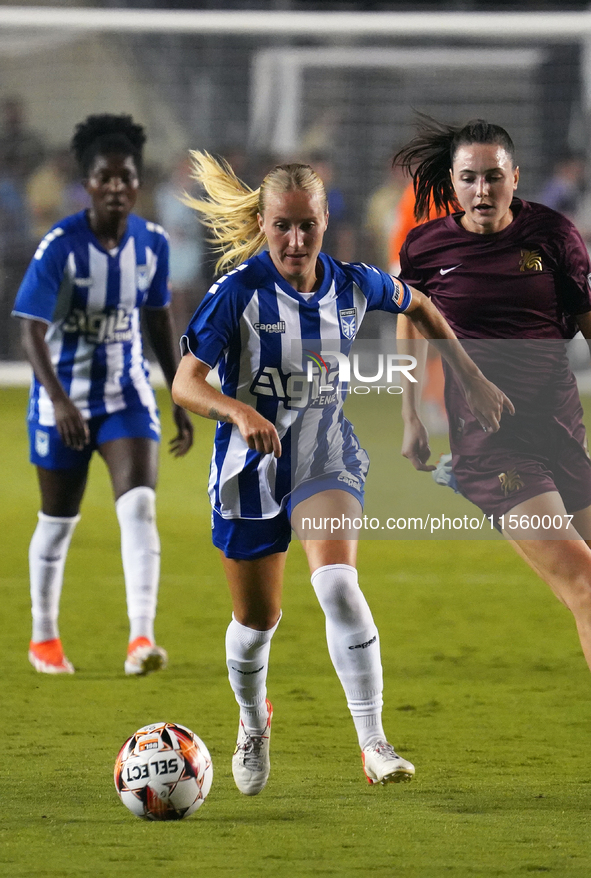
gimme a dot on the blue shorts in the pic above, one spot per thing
(246, 539)
(47, 449)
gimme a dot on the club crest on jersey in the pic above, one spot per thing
(531, 261)
(510, 481)
(142, 277)
(348, 318)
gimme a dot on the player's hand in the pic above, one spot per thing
(487, 403)
(70, 424)
(258, 433)
(183, 441)
(415, 445)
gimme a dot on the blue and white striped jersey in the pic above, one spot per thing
(254, 326)
(90, 299)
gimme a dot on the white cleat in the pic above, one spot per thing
(143, 657)
(382, 764)
(251, 763)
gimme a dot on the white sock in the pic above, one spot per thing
(140, 552)
(47, 558)
(354, 647)
(247, 658)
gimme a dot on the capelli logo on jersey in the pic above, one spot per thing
(270, 327)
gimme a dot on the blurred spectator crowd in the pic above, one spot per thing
(39, 185)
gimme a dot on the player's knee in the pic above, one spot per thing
(575, 590)
(338, 593)
(258, 618)
(138, 503)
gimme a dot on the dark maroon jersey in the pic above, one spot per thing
(526, 282)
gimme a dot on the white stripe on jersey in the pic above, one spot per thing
(291, 349)
(49, 237)
(231, 468)
(98, 268)
(235, 459)
(127, 267)
(98, 264)
(325, 440)
(250, 349)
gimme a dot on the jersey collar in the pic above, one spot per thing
(287, 288)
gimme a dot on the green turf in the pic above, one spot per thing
(486, 691)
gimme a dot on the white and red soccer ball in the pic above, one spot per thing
(163, 772)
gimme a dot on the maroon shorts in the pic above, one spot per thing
(498, 481)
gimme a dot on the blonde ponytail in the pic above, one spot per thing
(229, 211)
(231, 207)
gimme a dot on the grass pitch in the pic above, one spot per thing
(486, 692)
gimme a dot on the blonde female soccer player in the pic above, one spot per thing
(246, 326)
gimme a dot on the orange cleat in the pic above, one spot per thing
(143, 656)
(48, 657)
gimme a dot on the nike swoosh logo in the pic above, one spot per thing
(443, 271)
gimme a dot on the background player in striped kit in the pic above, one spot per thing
(503, 268)
(80, 301)
(247, 326)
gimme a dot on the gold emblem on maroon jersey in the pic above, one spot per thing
(531, 261)
(510, 481)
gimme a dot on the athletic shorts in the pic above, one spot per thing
(246, 539)
(500, 480)
(47, 449)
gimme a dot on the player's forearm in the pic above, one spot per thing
(162, 338)
(191, 391)
(37, 352)
(411, 343)
(206, 401)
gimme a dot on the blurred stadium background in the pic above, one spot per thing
(332, 83)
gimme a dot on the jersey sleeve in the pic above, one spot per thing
(573, 280)
(408, 272)
(159, 290)
(38, 292)
(382, 291)
(212, 326)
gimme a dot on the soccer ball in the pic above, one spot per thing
(163, 772)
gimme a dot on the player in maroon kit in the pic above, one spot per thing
(515, 272)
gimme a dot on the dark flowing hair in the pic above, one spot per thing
(430, 155)
(107, 133)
